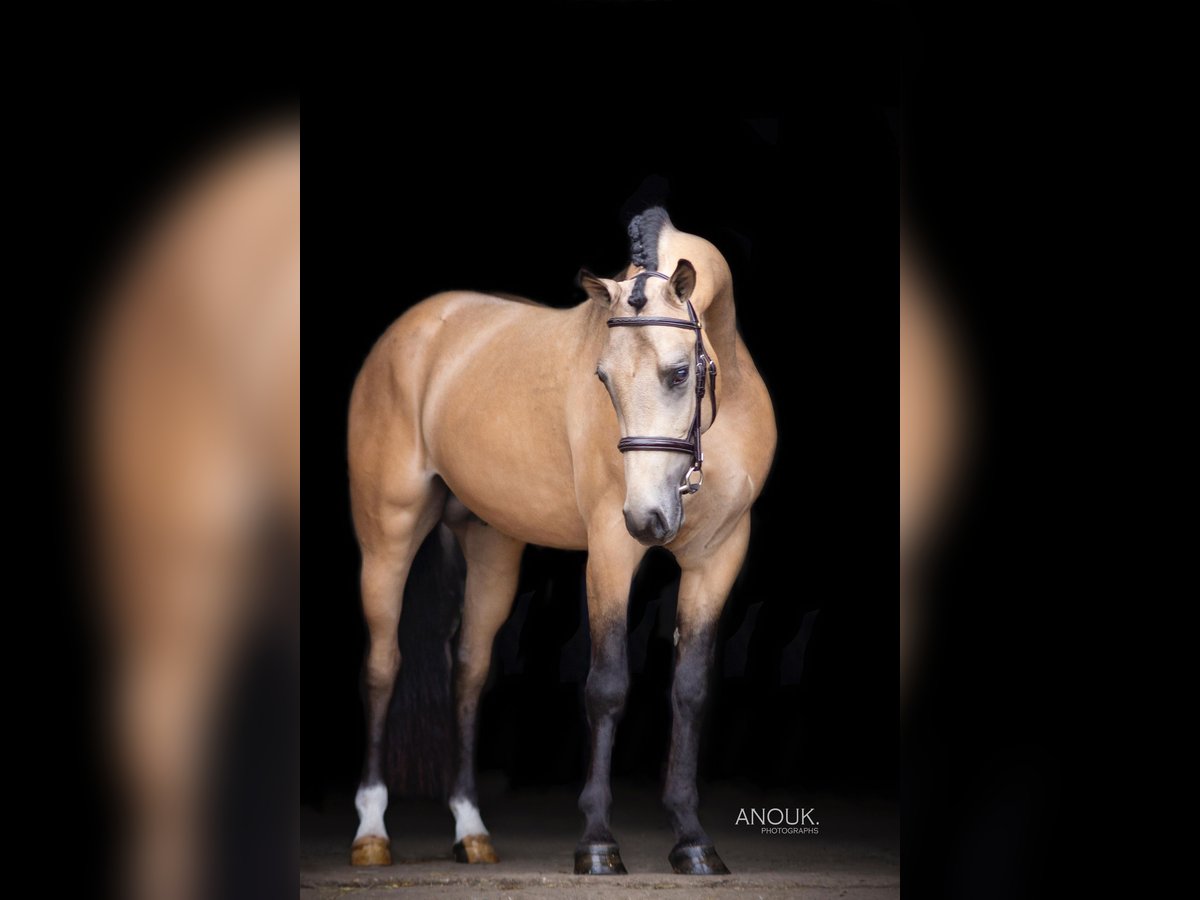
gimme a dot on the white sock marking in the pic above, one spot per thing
(370, 803)
(466, 818)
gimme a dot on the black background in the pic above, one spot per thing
(1017, 734)
(804, 206)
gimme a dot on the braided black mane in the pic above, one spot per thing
(644, 229)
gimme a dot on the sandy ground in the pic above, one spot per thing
(856, 854)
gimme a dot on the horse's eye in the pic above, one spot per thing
(680, 376)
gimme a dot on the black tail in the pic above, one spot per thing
(420, 742)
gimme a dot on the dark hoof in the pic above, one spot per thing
(599, 859)
(693, 859)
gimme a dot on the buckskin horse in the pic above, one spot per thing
(495, 416)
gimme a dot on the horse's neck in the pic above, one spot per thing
(713, 297)
(720, 321)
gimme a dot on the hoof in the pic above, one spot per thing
(693, 859)
(599, 859)
(371, 850)
(475, 848)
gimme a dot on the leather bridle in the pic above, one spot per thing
(704, 366)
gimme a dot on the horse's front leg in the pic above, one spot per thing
(703, 588)
(612, 559)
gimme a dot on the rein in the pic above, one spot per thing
(704, 367)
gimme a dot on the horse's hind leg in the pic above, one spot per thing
(493, 564)
(389, 533)
(178, 617)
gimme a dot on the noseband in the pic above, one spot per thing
(704, 366)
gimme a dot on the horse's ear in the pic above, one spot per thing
(683, 282)
(599, 289)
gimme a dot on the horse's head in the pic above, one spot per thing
(651, 376)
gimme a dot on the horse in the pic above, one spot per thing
(513, 423)
(191, 413)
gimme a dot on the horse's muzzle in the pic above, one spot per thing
(653, 526)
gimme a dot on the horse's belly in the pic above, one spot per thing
(514, 476)
(532, 510)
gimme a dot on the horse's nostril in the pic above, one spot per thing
(650, 524)
(658, 522)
